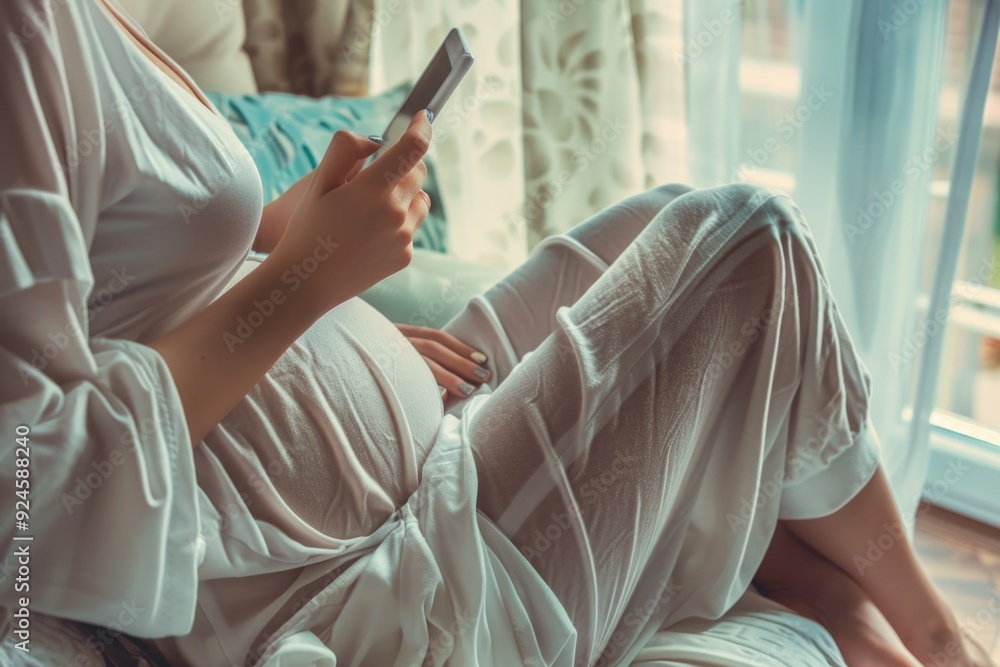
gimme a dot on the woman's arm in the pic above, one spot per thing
(275, 216)
(349, 231)
(216, 357)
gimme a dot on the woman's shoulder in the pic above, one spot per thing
(49, 27)
(50, 53)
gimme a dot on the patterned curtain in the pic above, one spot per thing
(309, 47)
(574, 104)
(589, 106)
(570, 107)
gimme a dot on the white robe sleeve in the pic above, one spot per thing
(113, 495)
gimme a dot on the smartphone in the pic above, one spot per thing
(436, 84)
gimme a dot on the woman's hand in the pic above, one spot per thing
(350, 229)
(353, 227)
(275, 216)
(456, 366)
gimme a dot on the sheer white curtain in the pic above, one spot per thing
(834, 101)
(570, 106)
(863, 179)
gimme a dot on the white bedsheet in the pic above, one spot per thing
(756, 632)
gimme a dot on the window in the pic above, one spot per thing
(970, 376)
(966, 420)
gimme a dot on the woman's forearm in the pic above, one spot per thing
(220, 354)
(264, 240)
(349, 231)
(275, 216)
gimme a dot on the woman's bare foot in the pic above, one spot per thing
(862, 634)
(950, 646)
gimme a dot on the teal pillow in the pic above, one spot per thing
(288, 134)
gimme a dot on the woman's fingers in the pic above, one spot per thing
(402, 159)
(343, 158)
(419, 208)
(450, 360)
(445, 339)
(411, 183)
(361, 163)
(455, 365)
(454, 384)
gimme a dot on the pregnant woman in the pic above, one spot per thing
(657, 410)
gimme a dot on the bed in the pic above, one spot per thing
(286, 134)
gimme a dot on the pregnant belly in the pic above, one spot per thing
(334, 436)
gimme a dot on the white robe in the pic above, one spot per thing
(670, 378)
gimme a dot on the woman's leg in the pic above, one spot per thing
(527, 303)
(628, 456)
(796, 576)
(515, 315)
(896, 583)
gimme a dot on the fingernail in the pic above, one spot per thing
(478, 357)
(466, 388)
(377, 139)
(430, 115)
(481, 373)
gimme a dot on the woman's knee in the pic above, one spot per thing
(735, 233)
(746, 205)
(715, 221)
(657, 198)
(610, 231)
